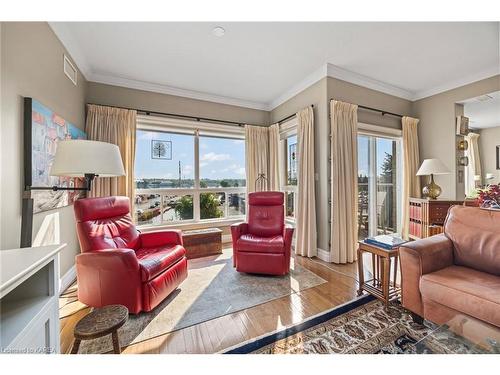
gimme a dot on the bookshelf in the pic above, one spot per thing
(427, 216)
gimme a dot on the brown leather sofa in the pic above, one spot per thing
(456, 272)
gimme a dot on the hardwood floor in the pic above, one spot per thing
(223, 332)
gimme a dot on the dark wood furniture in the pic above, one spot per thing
(380, 285)
(427, 216)
(202, 242)
(101, 322)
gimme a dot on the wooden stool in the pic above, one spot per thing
(101, 322)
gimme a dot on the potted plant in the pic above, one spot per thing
(489, 197)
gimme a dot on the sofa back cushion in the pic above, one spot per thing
(475, 234)
(105, 223)
(266, 213)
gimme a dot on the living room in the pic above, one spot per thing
(232, 187)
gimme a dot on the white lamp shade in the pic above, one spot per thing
(432, 166)
(75, 158)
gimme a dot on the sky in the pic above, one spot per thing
(383, 145)
(219, 158)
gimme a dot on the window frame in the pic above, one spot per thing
(287, 129)
(373, 132)
(197, 129)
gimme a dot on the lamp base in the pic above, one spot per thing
(431, 190)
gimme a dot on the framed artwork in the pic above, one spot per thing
(462, 125)
(498, 157)
(161, 149)
(43, 129)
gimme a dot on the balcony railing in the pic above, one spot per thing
(170, 206)
(386, 208)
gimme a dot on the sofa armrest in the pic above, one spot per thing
(287, 238)
(419, 258)
(109, 259)
(109, 276)
(237, 230)
(160, 238)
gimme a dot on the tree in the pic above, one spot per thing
(184, 207)
(224, 183)
(387, 168)
(209, 207)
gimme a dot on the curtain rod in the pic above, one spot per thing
(166, 114)
(291, 116)
(378, 110)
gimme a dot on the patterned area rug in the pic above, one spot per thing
(212, 289)
(362, 326)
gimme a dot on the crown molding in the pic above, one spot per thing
(364, 81)
(65, 36)
(110, 79)
(308, 81)
(488, 73)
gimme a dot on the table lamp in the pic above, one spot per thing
(74, 158)
(432, 167)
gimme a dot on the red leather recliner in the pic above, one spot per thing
(119, 265)
(263, 244)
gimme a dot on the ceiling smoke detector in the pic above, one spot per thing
(218, 31)
(484, 98)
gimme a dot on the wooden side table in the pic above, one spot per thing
(101, 322)
(380, 285)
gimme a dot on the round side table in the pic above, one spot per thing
(101, 322)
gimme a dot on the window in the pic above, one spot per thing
(289, 166)
(187, 174)
(174, 168)
(379, 176)
(222, 162)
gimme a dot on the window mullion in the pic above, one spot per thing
(196, 194)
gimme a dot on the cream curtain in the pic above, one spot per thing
(117, 126)
(256, 156)
(411, 163)
(344, 206)
(306, 244)
(274, 157)
(474, 166)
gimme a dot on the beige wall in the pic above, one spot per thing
(436, 129)
(32, 65)
(348, 92)
(99, 93)
(488, 140)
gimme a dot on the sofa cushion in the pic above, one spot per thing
(475, 234)
(466, 290)
(256, 244)
(155, 260)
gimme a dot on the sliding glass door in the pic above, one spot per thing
(379, 192)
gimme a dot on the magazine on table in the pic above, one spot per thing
(387, 241)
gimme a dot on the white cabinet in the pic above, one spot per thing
(29, 307)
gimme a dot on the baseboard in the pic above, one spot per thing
(324, 255)
(67, 279)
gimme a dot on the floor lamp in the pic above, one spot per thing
(73, 158)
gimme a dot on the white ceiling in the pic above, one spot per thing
(261, 64)
(483, 111)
